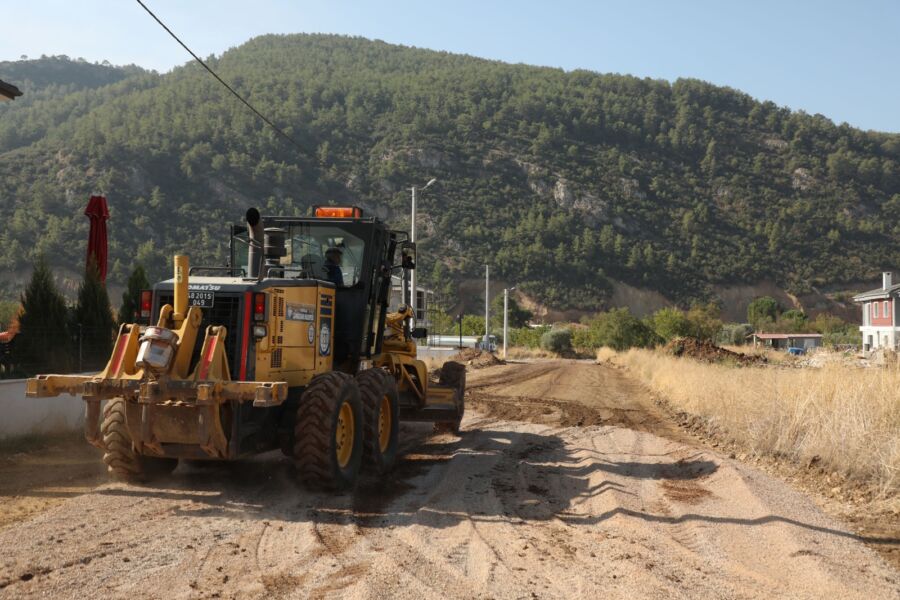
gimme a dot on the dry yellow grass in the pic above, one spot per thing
(846, 419)
(605, 354)
(523, 352)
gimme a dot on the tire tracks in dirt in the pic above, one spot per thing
(560, 485)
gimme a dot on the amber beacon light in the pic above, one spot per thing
(340, 212)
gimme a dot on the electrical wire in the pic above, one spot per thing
(222, 81)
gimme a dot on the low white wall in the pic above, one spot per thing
(435, 352)
(20, 415)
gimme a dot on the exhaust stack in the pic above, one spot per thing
(255, 255)
(182, 268)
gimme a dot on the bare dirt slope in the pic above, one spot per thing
(540, 497)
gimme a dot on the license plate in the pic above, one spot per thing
(201, 299)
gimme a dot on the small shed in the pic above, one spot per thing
(783, 341)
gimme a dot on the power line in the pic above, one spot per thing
(220, 80)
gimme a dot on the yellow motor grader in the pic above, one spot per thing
(298, 352)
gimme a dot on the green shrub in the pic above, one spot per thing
(842, 338)
(582, 339)
(557, 340)
(620, 330)
(762, 311)
(734, 334)
(526, 337)
(670, 323)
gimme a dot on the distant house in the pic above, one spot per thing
(424, 300)
(879, 315)
(783, 341)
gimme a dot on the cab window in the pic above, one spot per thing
(324, 252)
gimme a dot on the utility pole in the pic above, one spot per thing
(506, 292)
(413, 300)
(487, 307)
(505, 319)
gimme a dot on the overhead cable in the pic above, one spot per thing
(277, 129)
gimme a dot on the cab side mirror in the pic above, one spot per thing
(408, 255)
(419, 333)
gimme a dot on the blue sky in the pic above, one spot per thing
(840, 59)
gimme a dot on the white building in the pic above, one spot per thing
(424, 298)
(879, 315)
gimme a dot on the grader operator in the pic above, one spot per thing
(292, 357)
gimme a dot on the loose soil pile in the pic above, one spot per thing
(706, 351)
(477, 359)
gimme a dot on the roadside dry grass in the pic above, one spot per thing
(520, 352)
(842, 419)
(605, 354)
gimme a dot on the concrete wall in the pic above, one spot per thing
(435, 352)
(21, 416)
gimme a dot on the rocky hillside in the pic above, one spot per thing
(569, 183)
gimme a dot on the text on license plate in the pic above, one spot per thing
(201, 299)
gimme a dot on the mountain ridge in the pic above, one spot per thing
(567, 181)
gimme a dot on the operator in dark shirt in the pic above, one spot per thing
(333, 273)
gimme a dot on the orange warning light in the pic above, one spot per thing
(340, 212)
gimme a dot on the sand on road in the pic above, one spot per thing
(558, 487)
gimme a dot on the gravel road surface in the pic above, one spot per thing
(565, 483)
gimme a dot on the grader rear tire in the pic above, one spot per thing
(453, 374)
(328, 432)
(121, 460)
(381, 408)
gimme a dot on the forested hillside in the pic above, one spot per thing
(561, 180)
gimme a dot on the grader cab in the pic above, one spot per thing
(298, 352)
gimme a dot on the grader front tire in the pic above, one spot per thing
(328, 432)
(381, 407)
(121, 460)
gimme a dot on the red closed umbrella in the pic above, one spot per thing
(98, 213)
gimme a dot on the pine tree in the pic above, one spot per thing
(708, 164)
(131, 298)
(93, 320)
(43, 343)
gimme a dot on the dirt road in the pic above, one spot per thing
(539, 497)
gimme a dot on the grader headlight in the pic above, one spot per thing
(157, 347)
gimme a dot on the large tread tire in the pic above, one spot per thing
(374, 385)
(315, 446)
(453, 374)
(121, 460)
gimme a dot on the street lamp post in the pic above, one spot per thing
(413, 301)
(506, 292)
(486, 343)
